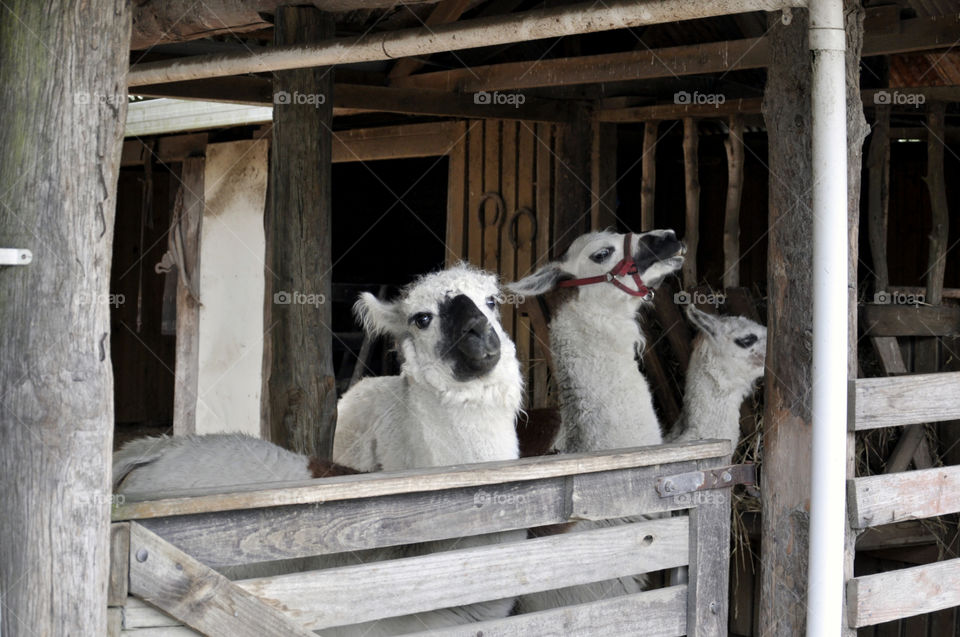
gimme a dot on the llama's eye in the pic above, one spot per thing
(492, 302)
(422, 320)
(601, 255)
(746, 341)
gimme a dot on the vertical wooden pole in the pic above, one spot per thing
(63, 68)
(731, 224)
(691, 180)
(878, 195)
(186, 235)
(857, 131)
(648, 182)
(302, 392)
(571, 180)
(787, 433)
(937, 261)
(456, 198)
(603, 177)
(786, 419)
(709, 572)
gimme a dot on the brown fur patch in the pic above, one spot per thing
(327, 469)
(556, 298)
(537, 430)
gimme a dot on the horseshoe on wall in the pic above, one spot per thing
(500, 209)
(513, 228)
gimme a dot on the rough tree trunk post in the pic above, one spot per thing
(691, 180)
(648, 181)
(571, 185)
(787, 425)
(731, 223)
(302, 393)
(63, 104)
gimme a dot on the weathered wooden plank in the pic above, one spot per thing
(178, 584)
(139, 614)
(664, 112)
(456, 199)
(886, 499)
(119, 563)
(165, 631)
(906, 400)
(492, 216)
(444, 12)
(888, 351)
(731, 224)
(691, 181)
(648, 180)
(603, 177)
(167, 149)
(937, 187)
(626, 492)
(475, 193)
(508, 189)
(354, 594)
(114, 622)
(408, 481)
(657, 613)
(571, 176)
(873, 599)
(878, 195)
(709, 573)
(394, 142)
(301, 403)
(910, 320)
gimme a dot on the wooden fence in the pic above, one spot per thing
(907, 495)
(164, 551)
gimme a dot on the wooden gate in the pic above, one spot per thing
(164, 551)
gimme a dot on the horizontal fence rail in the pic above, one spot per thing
(874, 599)
(904, 400)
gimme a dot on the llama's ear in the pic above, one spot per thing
(376, 316)
(703, 321)
(543, 280)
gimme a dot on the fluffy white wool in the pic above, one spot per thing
(720, 376)
(422, 418)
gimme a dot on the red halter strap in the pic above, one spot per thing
(625, 266)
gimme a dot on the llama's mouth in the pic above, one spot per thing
(469, 342)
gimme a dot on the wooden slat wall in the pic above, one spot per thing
(513, 161)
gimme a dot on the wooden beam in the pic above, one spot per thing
(184, 238)
(691, 187)
(302, 394)
(409, 481)
(696, 59)
(731, 224)
(937, 262)
(898, 497)
(354, 594)
(165, 150)
(648, 179)
(905, 400)
(62, 66)
(885, 597)
(444, 12)
(201, 598)
(571, 180)
(893, 319)
(396, 142)
(878, 195)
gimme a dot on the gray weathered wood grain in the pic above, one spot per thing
(119, 563)
(137, 506)
(203, 599)
(896, 497)
(353, 594)
(905, 400)
(874, 599)
(657, 613)
(707, 597)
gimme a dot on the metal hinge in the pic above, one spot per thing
(718, 478)
(15, 256)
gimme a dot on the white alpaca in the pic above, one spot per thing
(726, 362)
(605, 402)
(454, 402)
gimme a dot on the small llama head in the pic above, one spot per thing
(734, 345)
(598, 267)
(447, 329)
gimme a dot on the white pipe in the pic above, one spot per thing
(495, 30)
(825, 582)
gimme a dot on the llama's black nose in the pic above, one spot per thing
(469, 342)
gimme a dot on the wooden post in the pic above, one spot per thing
(787, 426)
(186, 235)
(691, 180)
(878, 194)
(302, 394)
(64, 104)
(648, 182)
(938, 202)
(603, 177)
(571, 211)
(731, 224)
